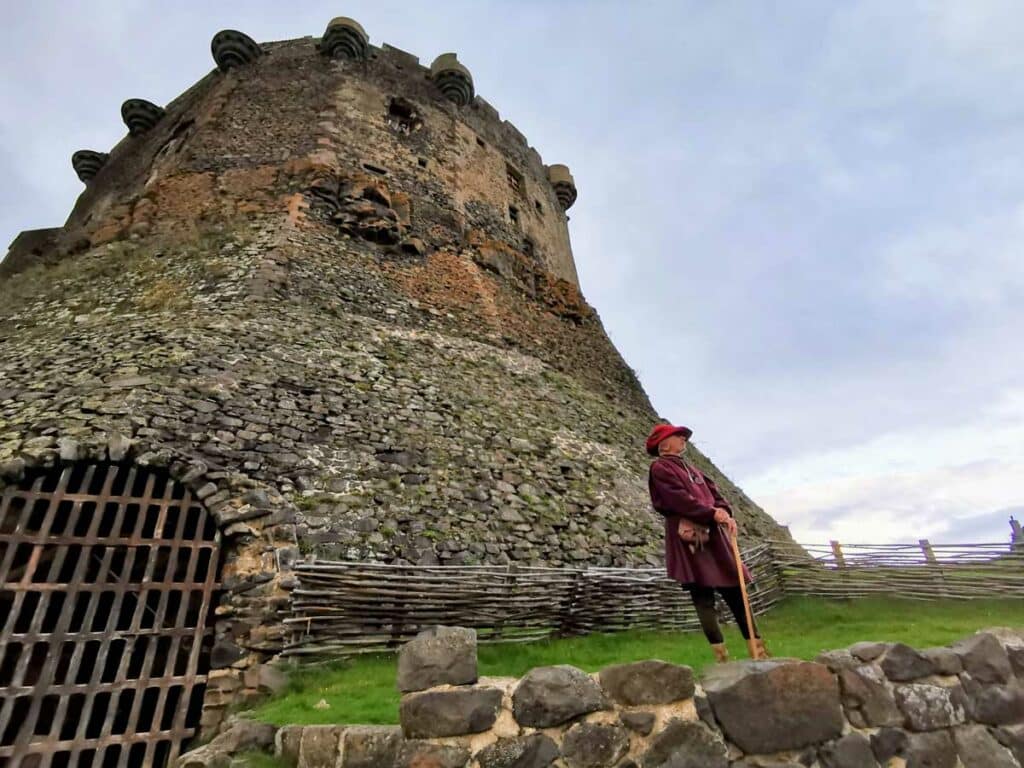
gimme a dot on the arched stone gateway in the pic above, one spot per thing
(108, 575)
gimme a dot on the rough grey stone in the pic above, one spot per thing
(683, 744)
(998, 704)
(320, 746)
(837, 660)
(370, 746)
(224, 654)
(1012, 737)
(425, 754)
(930, 750)
(887, 743)
(638, 722)
(594, 745)
(984, 658)
(851, 751)
(549, 696)
(868, 651)
(978, 749)
(533, 751)
(438, 656)
(287, 743)
(945, 660)
(453, 712)
(769, 706)
(867, 697)
(929, 707)
(902, 663)
(243, 735)
(647, 682)
(118, 447)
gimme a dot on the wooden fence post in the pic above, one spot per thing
(837, 552)
(929, 553)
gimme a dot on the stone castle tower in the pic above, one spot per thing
(323, 304)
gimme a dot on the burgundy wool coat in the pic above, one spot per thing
(677, 491)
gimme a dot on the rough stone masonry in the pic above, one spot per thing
(873, 705)
(332, 291)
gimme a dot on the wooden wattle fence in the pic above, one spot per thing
(347, 608)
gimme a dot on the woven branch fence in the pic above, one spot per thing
(922, 571)
(346, 608)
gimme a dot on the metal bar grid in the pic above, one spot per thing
(107, 577)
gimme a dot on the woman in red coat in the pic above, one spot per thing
(698, 519)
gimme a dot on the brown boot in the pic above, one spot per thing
(762, 651)
(721, 652)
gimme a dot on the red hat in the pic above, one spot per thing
(660, 432)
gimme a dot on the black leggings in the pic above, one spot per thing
(704, 602)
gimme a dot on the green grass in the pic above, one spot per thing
(363, 690)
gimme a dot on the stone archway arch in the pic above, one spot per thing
(108, 575)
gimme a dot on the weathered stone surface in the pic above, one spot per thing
(929, 707)
(533, 751)
(1012, 737)
(902, 663)
(425, 754)
(594, 745)
(979, 749)
(851, 751)
(984, 658)
(887, 743)
(768, 706)
(930, 750)
(638, 722)
(549, 696)
(320, 746)
(454, 712)
(243, 735)
(683, 744)
(837, 660)
(438, 656)
(367, 746)
(868, 698)
(997, 704)
(945, 660)
(868, 651)
(287, 744)
(647, 682)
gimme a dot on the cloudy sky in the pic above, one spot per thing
(801, 222)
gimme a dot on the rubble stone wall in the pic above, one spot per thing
(873, 705)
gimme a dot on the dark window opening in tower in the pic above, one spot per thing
(402, 116)
(422, 162)
(515, 180)
(480, 143)
(539, 207)
(528, 247)
(375, 169)
(106, 629)
(513, 215)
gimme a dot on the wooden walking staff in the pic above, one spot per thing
(753, 648)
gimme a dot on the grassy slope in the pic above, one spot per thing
(363, 691)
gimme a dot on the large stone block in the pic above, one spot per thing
(594, 745)
(997, 704)
(550, 696)
(868, 698)
(454, 712)
(426, 754)
(979, 749)
(534, 751)
(647, 682)
(984, 658)
(1012, 737)
(930, 750)
(321, 746)
(368, 746)
(902, 663)
(851, 751)
(683, 744)
(930, 707)
(769, 706)
(443, 655)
